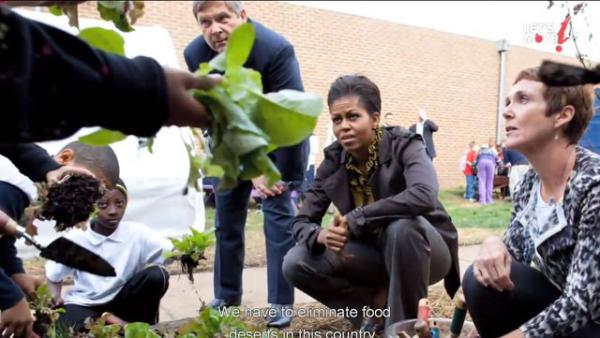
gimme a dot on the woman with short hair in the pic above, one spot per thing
(394, 238)
(543, 278)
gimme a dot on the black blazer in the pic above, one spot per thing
(429, 127)
(404, 185)
(274, 58)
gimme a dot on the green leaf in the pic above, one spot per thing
(113, 4)
(139, 330)
(193, 244)
(105, 39)
(288, 116)
(115, 11)
(195, 166)
(150, 143)
(55, 10)
(244, 86)
(204, 69)
(218, 62)
(247, 124)
(239, 46)
(102, 137)
(258, 163)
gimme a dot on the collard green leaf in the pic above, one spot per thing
(239, 46)
(104, 39)
(139, 330)
(115, 11)
(113, 4)
(244, 86)
(247, 124)
(150, 144)
(55, 10)
(258, 163)
(195, 166)
(287, 116)
(193, 244)
(102, 137)
(218, 62)
(204, 69)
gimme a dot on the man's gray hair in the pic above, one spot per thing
(234, 6)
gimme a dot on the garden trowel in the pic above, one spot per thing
(64, 251)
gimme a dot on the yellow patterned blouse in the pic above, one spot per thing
(359, 180)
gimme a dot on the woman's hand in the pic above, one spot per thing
(492, 266)
(336, 237)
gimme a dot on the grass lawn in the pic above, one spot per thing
(473, 215)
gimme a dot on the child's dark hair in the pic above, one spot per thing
(356, 85)
(101, 160)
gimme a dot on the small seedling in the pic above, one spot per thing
(45, 313)
(189, 250)
(211, 323)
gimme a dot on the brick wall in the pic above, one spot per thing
(454, 77)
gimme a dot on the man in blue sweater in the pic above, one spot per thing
(518, 166)
(273, 56)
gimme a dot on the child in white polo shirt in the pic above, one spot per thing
(135, 252)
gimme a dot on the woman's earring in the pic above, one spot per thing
(556, 136)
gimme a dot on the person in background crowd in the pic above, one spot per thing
(486, 169)
(470, 158)
(425, 128)
(517, 167)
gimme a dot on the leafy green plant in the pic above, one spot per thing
(211, 324)
(190, 249)
(123, 14)
(247, 124)
(99, 329)
(139, 330)
(45, 313)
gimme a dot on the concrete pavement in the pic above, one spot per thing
(183, 299)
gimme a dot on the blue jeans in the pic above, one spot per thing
(470, 191)
(232, 209)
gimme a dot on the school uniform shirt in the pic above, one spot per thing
(561, 240)
(129, 249)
